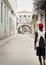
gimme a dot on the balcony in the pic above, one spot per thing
(38, 5)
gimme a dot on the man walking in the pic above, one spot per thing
(40, 43)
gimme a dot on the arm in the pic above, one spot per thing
(36, 35)
(45, 38)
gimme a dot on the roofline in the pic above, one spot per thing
(24, 11)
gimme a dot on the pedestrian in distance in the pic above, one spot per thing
(39, 43)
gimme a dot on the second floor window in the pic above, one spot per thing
(20, 16)
(28, 15)
(24, 15)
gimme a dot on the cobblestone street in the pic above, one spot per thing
(19, 51)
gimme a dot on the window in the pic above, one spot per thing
(24, 15)
(28, 15)
(1, 12)
(7, 16)
(20, 16)
(5, 13)
(42, 17)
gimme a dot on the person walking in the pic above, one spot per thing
(39, 43)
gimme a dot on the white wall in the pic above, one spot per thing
(5, 26)
(23, 19)
(13, 4)
(13, 24)
(2, 25)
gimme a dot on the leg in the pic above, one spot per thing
(44, 60)
(40, 60)
(44, 56)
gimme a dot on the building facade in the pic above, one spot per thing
(43, 7)
(7, 18)
(24, 22)
(24, 17)
(39, 12)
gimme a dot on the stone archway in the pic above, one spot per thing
(24, 29)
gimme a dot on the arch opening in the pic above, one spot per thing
(24, 29)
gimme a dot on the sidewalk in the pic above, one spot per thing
(6, 40)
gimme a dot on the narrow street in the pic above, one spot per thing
(19, 51)
(19, 20)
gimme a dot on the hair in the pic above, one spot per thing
(41, 29)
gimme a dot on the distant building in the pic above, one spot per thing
(24, 17)
(25, 21)
(7, 18)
